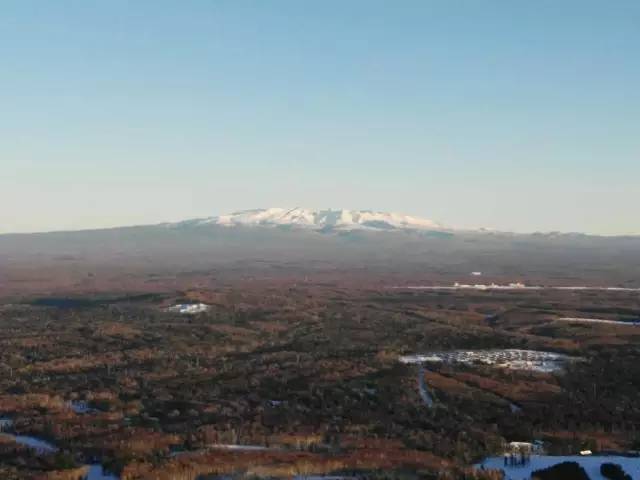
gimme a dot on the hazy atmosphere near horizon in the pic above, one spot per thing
(514, 115)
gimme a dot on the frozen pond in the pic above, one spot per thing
(510, 358)
(591, 464)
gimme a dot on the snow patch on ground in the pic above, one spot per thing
(597, 320)
(222, 446)
(226, 446)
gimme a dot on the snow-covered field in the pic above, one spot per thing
(591, 464)
(510, 358)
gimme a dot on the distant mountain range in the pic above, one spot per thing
(333, 244)
(325, 220)
(328, 221)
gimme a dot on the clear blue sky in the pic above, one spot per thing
(513, 114)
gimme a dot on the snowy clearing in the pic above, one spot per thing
(515, 359)
(591, 464)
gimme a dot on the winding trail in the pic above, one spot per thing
(42, 447)
(423, 389)
(429, 402)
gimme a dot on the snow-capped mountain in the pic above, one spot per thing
(323, 219)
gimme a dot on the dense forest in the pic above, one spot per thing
(308, 379)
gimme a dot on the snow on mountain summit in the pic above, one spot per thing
(324, 219)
